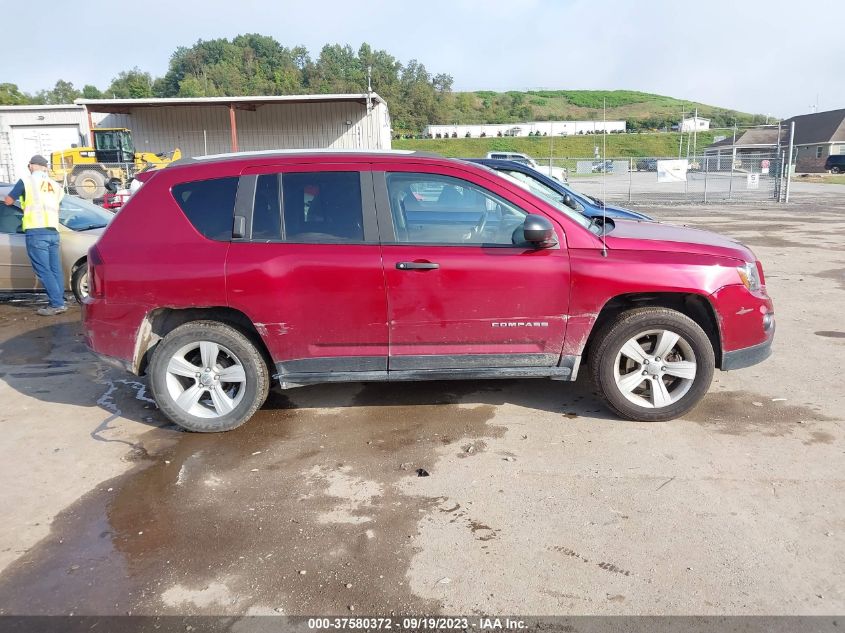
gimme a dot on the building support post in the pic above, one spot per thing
(90, 128)
(233, 125)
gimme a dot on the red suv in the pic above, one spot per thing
(309, 267)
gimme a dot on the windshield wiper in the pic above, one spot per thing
(89, 227)
(601, 223)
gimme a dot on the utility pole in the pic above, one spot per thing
(695, 133)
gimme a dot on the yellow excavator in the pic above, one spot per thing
(89, 172)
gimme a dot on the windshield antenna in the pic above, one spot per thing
(603, 181)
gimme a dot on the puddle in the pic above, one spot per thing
(226, 522)
(837, 274)
(734, 413)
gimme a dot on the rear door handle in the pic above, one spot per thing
(417, 265)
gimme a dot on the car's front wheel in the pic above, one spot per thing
(208, 377)
(652, 364)
(835, 170)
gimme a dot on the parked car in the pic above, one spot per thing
(542, 185)
(81, 224)
(835, 163)
(600, 166)
(647, 164)
(223, 272)
(558, 173)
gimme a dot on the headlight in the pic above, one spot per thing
(750, 276)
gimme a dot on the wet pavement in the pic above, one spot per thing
(446, 497)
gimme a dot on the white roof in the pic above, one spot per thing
(65, 106)
(103, 104)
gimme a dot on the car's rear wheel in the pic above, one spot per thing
(208, 377)
(652, 364)
(79, 282)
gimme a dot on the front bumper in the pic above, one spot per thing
(741, 358)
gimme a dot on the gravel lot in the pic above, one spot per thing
(538, 500)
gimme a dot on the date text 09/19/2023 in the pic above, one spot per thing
(484, 623)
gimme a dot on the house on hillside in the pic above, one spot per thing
(695, 124)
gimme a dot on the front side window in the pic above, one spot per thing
(209, 205)
(433, 209)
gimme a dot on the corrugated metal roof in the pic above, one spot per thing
(124, 105)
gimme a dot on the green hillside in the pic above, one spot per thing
(645, 144)
(642, 110)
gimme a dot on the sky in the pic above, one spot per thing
(772, 57)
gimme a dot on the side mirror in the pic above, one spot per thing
(538, 230)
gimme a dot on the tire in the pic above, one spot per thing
(203, 407)
(835, 170)
(90, 184)
(79, 282)
(690, 370)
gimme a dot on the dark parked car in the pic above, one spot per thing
(647, 164)
(221, 274)
(835, 163)
(558, 192)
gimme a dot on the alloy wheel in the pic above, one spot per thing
(655, 369)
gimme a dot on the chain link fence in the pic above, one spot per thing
(632, 180)
(665, 179)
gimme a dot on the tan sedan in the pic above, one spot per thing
(82, 223)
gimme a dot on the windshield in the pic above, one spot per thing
(548, 194)
(79, 215)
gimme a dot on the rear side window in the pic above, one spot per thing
(316, 207)
(209, 205)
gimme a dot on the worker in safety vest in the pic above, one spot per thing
(40, 198)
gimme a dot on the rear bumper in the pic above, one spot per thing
(746, 357)
(117, 363)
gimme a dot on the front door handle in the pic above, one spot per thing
(417, 265)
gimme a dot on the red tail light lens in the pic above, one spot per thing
(96, 283)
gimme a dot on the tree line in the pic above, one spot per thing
(256, 64)
(259, 65)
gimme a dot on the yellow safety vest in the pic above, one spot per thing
(40, 203)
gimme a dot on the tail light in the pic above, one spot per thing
(760, 272)
(96, 282)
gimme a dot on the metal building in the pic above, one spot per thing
(40, 129)
(528, 128)
(197, 126)
(214, 125)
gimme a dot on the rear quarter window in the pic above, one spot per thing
(209, 205)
